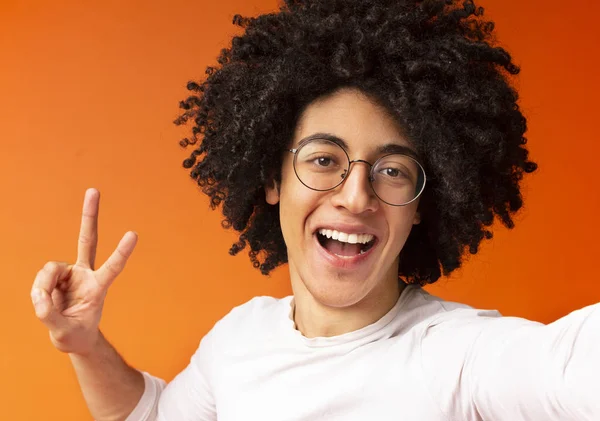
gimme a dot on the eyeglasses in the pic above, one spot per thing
(322, 165)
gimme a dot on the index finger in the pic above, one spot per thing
(88, 232)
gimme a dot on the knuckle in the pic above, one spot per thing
(50, 266)
(59, 335)
(86, 239)
(120, 252)
(112, 267)
(41, 314)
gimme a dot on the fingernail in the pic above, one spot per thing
(36, 295)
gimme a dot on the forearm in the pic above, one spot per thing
(111, 388)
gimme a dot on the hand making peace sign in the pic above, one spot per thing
(68, 298)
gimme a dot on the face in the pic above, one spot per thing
(339, 275)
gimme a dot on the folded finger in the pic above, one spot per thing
(45, 310)
(41, 293)
(50, 275)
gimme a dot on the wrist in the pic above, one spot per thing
(95, 347)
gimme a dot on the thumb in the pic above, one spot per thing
(45, 310)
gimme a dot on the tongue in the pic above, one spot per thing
(342, 249)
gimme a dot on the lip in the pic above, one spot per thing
(348, 262)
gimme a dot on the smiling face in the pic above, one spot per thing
(331, 272)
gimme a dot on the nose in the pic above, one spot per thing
(355, 193)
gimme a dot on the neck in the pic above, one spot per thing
(315, 319)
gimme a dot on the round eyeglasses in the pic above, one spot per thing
(322, 165)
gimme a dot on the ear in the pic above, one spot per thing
(417, 219)
(272, 192)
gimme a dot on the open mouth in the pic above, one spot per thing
(343, 244)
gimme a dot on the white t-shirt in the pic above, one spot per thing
(427, 359)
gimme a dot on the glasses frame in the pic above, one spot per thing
(350, 162)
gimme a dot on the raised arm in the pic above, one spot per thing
(68, 299)
(511, 369)
(521, 370)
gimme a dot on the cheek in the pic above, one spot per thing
(400, 225)
(295, 196)
(296, 204)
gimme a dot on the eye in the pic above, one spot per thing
(392, 172)
(322, 161)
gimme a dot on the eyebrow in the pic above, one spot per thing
(387, 148)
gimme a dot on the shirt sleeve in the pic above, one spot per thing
(147, 406)
(513, 369)
(188, 397)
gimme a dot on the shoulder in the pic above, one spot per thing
(257, 309)
(251, 320)
(458, 332)
(245, 325)
(439, 310)
(446, 340)
(423, 309)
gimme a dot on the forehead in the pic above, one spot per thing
(354, 117)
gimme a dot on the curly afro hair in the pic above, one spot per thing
(434, 64)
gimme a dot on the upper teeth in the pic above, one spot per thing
(346, 238)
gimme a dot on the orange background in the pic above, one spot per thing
(87, 96)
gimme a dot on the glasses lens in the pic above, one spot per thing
(398, 179)
(321, 164)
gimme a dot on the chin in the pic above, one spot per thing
(337, 291)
